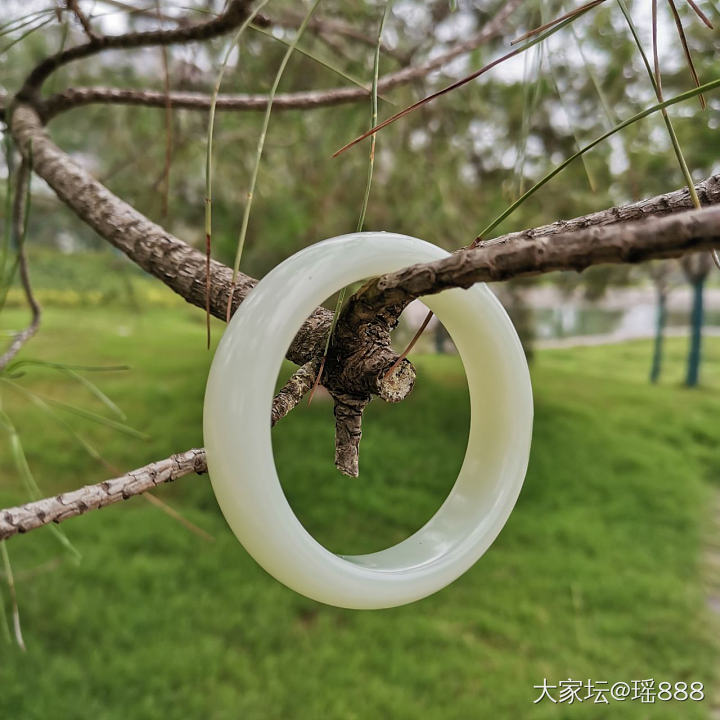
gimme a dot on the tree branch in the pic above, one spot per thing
(181, 267)
(631, 242)
(82, 19)
(294, 390)
(33, 515)
(233, 16)
(304, 100)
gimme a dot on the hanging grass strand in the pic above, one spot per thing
(666, 118)
(465, 80)
(706, 87)
(208, 158)
(259, 152)
(13, 596)
(569, 15)
(686, 49)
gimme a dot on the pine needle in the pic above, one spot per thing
(208, 158)
(463, 81)
(259, 151)
(706, 87)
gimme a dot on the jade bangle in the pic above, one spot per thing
(240, 460)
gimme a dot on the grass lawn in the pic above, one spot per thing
(596, 575)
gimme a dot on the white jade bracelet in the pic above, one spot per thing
(239, 449)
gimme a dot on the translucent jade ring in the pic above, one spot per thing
(238, 399)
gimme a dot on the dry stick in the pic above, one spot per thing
(91, 497)
(533, 254)
(547, 251)
(74, 97)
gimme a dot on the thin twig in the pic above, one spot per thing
(411, 344)
(82, 19)
(700, 14)
(175, 515)
(21, 212)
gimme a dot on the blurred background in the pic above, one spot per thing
(608, 569)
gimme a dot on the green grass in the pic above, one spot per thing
(596, 575)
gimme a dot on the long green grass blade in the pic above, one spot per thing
(666, 118)
(28, 479)
(83, 413)
(211, 120)
(7, 224)
(11, 586)
(4, 621)
(25, 34)
(43, 405)
(333, 68)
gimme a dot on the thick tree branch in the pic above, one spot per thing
(233, 16)
(179, 266)
(182, 268)
(631, 242)
(74, 97)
